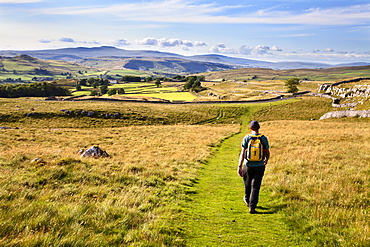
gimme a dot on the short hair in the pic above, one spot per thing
(254, 125)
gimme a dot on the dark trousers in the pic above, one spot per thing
(252, 184)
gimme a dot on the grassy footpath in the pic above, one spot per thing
(217, 215)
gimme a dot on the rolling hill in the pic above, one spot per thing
(27, 68)
(160, 61)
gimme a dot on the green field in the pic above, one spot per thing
(147, 90)
(23, 67)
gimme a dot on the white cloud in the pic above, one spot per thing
(329, 50)
(200, 43)
(169, 42)
(120, 42)
(148, 41)
(187, 11)
(260, 50)
(44, 41)
(325, 57)
(245, 50)
(223, 49)
(275, 48)
(88, 42)
(173, 42)
(68, 40)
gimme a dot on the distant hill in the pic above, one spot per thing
(111, 57)
(161, 65)
(79, 53)
(26, 68)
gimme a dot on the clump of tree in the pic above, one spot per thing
(11, 80)
(186, 78)
(158, 82)
(42, 71)
(291, 85)
(193, 83)
(104, 90)
(93, 82)
(149, 79)
(112, 91)
(130, 78)
(38, 89)
(94, 93)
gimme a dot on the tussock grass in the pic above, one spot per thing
(304, 108)
(322, 171)
(128, 199)
(12, 114)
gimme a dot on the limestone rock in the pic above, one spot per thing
(94, 152)
(349, 113)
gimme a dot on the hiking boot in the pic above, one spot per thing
(253, 211)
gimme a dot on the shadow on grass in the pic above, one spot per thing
(270, 210)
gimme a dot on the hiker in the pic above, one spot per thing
(253, 160)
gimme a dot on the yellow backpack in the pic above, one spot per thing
(254, 151)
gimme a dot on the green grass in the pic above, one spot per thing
(216, 214)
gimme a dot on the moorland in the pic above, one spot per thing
(170, 178)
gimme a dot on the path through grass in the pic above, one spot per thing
(217, 215)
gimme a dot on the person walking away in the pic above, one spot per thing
(252, 163)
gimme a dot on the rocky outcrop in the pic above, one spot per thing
(342, 92)
(115, 115)
(349, 113)
(357, 93)
(94, 152)
(354, 92)
(335, 101)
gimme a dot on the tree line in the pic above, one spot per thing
(37, 89)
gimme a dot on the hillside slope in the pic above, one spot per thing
(27, 68)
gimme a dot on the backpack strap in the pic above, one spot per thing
(255, 136)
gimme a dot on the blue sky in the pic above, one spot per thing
(330, 31)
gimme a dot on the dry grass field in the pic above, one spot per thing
(322, 170)
(126, 199)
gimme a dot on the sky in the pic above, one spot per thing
(332, 31)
